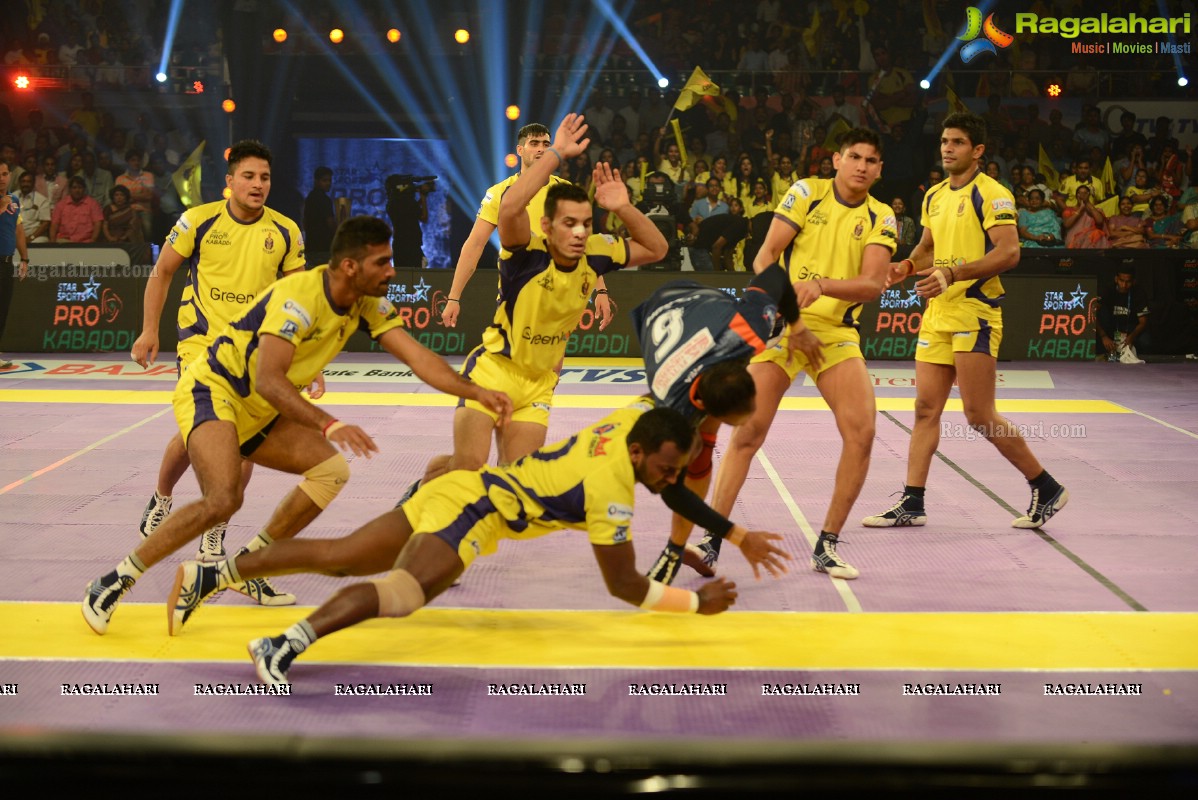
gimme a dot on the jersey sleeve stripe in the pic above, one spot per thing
(741, 328)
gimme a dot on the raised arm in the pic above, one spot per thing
(646, 244)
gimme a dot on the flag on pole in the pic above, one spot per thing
(955, 104)
(696, 88)
(187, 178)
(1108, 178)
(678, 138)
(1044, 165)
(1110, 206)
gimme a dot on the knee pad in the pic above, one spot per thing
(701, 467)
(399, 593)
(324, 481)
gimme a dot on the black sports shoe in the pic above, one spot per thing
(1042, 508)
(273, 656)
(906, 512)
(666, 566)
(194, 583)
(102, 596)
(156, 511)
(702, 557)
(826, 559)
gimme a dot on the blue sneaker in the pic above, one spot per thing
(273, 656)
(702, 557)
(1042, 508)
(102, 596)
(906, 512)
(826, 559)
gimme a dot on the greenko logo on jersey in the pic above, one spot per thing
(1072, 27)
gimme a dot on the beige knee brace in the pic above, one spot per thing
(324, 481)
(399, 593)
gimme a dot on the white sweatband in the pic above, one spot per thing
(667, 598)
(939, 273)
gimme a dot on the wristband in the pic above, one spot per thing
(943, 281)
(668, 598)
(559, 155)
(453, 300)
(333, 425)
(735, 537)
(910, 265)
(952, 274)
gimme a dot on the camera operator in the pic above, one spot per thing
(407, 206)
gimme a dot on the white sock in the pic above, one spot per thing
(131, 567)
(301, 632)
(263, 539)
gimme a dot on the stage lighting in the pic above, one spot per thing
(227, 151)
(461, 36)
(22, 82)
(512, 113)
(925, 84)
(511, 160)
(1183, 81)
(227, 193)
(160, 77)
(228, 106)
(663, 82)
(336, 35)
(1054, 90)
(280, 35)
(393, 35)
(197, 87)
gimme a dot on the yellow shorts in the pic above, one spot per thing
(458, 510)
(532, 395)
(188, 351)
(196, 402)
(840, 344)
(936, 347)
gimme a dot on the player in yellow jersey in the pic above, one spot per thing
(233, 249)
(545, 282)
(586, 482)
(969, 239)
(531, 143)
(241, 400)
(836, 241)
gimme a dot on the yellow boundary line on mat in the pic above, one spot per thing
(629, 639)
(560, 400)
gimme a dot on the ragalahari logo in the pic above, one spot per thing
(975, 27)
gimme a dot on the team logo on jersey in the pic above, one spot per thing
(173, 237)
(1002, 204)
(183, 224)
(618, 512)
(269, 244)
(621, 534)
(817, 217)
(386, 310)
(546, 282)
(859, 229)
(889, 222)
(789, 202)
(961, 208)
(289, 329)
(586, 286)
(933, 209)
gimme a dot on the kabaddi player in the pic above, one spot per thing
(969, 239)
(233, 250)
(836, 241)
(240, 400)
(586, 482)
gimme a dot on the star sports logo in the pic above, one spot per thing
(974, 27)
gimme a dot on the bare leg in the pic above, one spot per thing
(975, 376)
(933, 382)
(846, 388)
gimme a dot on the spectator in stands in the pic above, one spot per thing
(28, 164)
(994, 172)
(672, 164)
(78, 217)
(842, 110)
(712, 247)
(598, 117)
(142, 191)
(35, 210)
(1127, 166)
(1162, 228)
(631, 112)
(1126, 230)
(998, 120)
(1067, 196)
(905, 226)
(1038, 224)
(122, 222)
(1172, 170)
(892, 91)
(99, 181)
(708, 206)
(1028, 182)
(1142, 191)
(1189, 225)
(1084, 223)
(1127, 137)
(1161, 138)
(319, 218)
(28, 139)
(170, 206)
(1057, 134)
(50, 182)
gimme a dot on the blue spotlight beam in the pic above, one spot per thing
(172, 25)
(984, 7)
(1164, 12)
(598, 47)
(617, 22)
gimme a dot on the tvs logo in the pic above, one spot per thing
(974, 27)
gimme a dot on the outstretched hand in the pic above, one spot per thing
(568, 141)
(610, 191)
(759, 552)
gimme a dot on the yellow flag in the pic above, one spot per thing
(1045, 167)
(697, 87)
(811, 34)
(1108, 178)
(1110, 206)
(678, 138)
(187, 178)
(931, 20)
(955, 104)
(837, 129)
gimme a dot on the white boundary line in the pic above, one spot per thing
(22, 481)
(1171, 426)
(851, 602)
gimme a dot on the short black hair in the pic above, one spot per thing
(531, 129)
(77, 180)
(658, 426)
(355, 235)
(119, 188)
(564, 191)
(727, 388)
(322, 172)
(1036, 191)
(248, 148)
(858, 136)
(973, 126)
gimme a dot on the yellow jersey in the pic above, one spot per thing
(960, 220)
(488, 210)
(229, 263)
(540, 304)
(296, 308)
(831, 241)
(584, 482)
